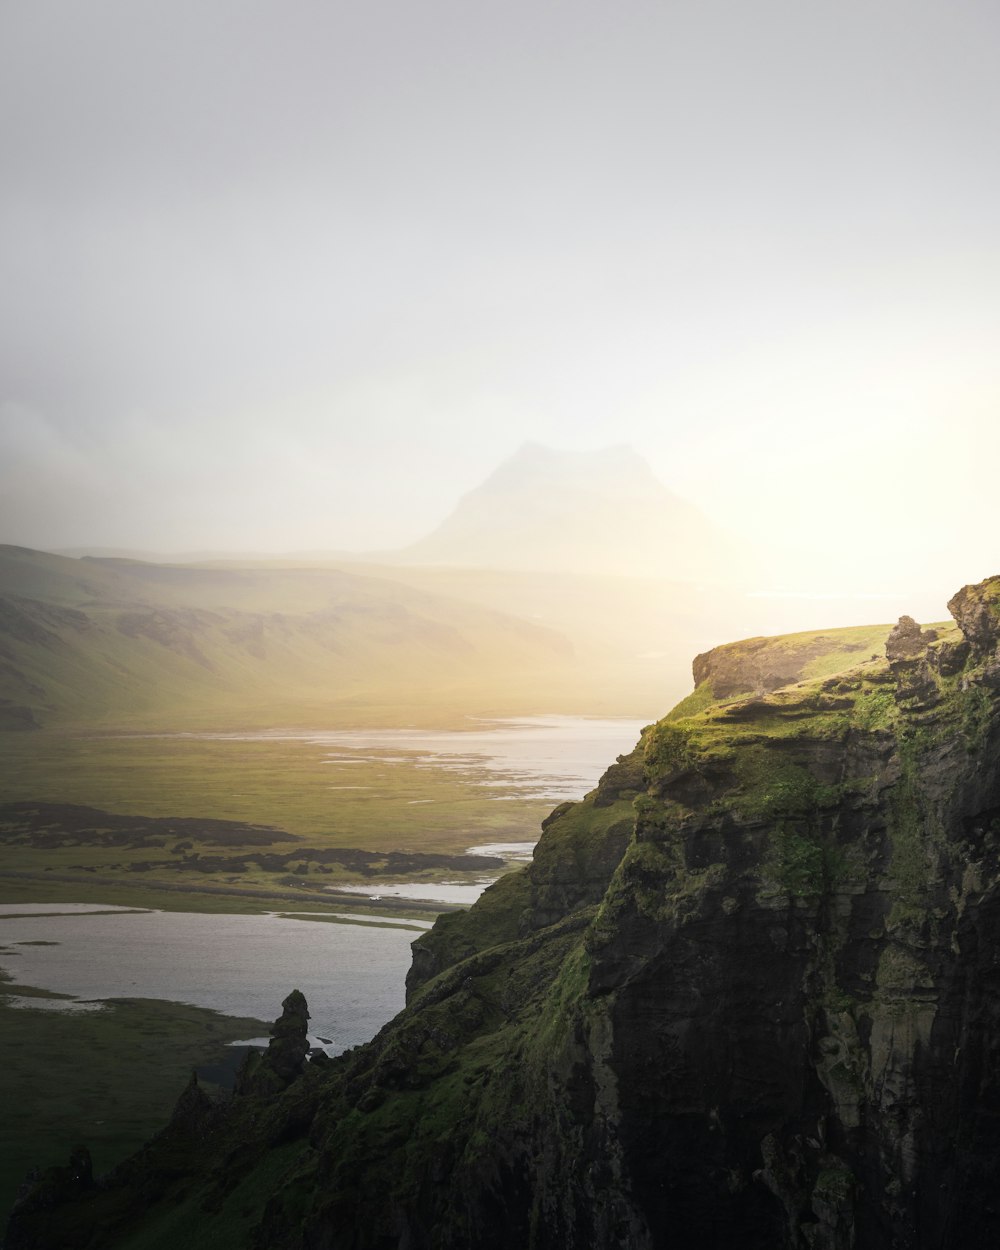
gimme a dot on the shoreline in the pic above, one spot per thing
(336, 900)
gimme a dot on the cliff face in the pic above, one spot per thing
(746, 995)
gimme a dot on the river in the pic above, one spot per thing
(351, 973)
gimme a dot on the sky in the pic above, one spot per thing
(293, 276)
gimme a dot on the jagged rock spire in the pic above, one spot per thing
(285, 1057)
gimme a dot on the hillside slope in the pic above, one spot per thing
(125, 643)
(746, 995)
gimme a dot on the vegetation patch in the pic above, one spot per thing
(700, 699)
(774, 786)
(666, 749)
(909, 830)
(109, 1078)
(802, 863)
(875, 708)
(976, 713)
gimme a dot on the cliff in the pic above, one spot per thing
(746, 995)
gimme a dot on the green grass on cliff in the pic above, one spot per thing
(811, 707)
(849, 648)
(761, 755)
(805, 657)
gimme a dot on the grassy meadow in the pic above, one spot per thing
(107, 1078)
(387, 808)
(290, 785)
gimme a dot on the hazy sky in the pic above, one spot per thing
(295, 275)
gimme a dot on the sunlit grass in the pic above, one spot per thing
(289, 785)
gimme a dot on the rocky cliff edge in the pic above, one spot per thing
(748, 994)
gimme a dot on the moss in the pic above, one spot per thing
(874, 708)
(654, 880)
(493, 919)
(494, 1071)
(836, 1000)
(666, 750)
(975, 711)
(773, 785)
(801, 862)
(899, 969)
(188, 1223)
(643, 874)
(700, 698)
(571, 983)
(797, 863)
(909, 832)
(638, 880)
(569, 990)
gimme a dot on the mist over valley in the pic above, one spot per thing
(499, 626)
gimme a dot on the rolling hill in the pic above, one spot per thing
(118, 642)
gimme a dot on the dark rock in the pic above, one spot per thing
(53, 1190)
(81, 1168)
(950, 658)
(907, 640)
(287, 1050)
(913, 665)
(193, 1105)
(623, 777)
(977, 611)
(285, 1058)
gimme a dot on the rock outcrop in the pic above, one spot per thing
(285, 1057)
(748, 994)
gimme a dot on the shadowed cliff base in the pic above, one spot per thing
(745, 995)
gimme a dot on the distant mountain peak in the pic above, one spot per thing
(597, 511)
(607, 470)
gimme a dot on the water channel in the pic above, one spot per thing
(351, 972)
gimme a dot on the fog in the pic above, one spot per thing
(291, 277)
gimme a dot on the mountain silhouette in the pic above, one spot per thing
(582, 512)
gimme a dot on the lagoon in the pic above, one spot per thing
(531, 757)
(351, 974)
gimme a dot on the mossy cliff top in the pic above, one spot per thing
(746, 995)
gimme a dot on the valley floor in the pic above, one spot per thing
(220, 824)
